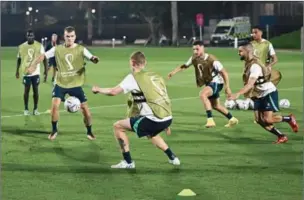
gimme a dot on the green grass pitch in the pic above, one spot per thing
(218, 164)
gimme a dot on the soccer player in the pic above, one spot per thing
(256, 76)
(27, 52)
(265, 52)
(211, 73)
(151, 104)
(70, 78)
(52, 60)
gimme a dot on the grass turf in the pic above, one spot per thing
(230, 164)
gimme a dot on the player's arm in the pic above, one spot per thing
(18, 65)
(273, 55)
(223, 72)
(44, 63)
(180, 68)
(107, 91)
(127, 85)
(90, 57)
(255, 71)
(49, 54)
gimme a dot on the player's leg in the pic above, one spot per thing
(204, 96)
(27, 88)
(54, 73)
(145, 127)
(273, 105)
(215, 102)
(57, 94)
(87, 120)
(281, 138)
(87, 117)
(35, 85)
(264, 111)
(120, 129)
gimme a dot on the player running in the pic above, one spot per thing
(52, 60)
(151, 111)
(27, 52)
(265, 52)
(211, 73)
(70, 58)
(256, 76)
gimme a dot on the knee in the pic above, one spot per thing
(216, 107)
(116, 125)
(268, 120)
(204, 96)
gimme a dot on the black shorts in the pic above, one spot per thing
(31, 80)
(59, 92)
(143, 126)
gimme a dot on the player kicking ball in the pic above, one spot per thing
(211, 73)
(153, 109)
(262, 91)
(70, 78)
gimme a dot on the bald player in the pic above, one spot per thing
(210, 73)
(70, 58)
(258, 87)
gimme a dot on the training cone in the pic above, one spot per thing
(186, 193)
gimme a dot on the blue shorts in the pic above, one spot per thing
(31, 80)
(146, 127)
(216, 88)
(59, 92)
(52, 62)
(268, 103)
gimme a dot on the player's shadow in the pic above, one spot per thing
(23, 132)
(97, 169)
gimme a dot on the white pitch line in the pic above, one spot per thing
(96, 107)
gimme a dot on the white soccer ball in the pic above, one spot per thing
(229, 104)
(284, 103)
(250, 103)
(72, 104)
(242, 105)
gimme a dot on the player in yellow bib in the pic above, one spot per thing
(70, 58)
(151, 112)
(27, 52)
(210, 73)
(258, 87)
(264, 50)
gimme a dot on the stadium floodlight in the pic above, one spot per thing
(27, 13)
(37, 10)
(30, 9)
(93, 11)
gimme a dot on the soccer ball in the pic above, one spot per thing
(250, 103)
(230, 104)
(242, 105)
(72, 104)
(284, 103)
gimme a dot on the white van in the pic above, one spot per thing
(228, 29)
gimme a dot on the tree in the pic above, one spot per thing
(150, 12)
(174, 18)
